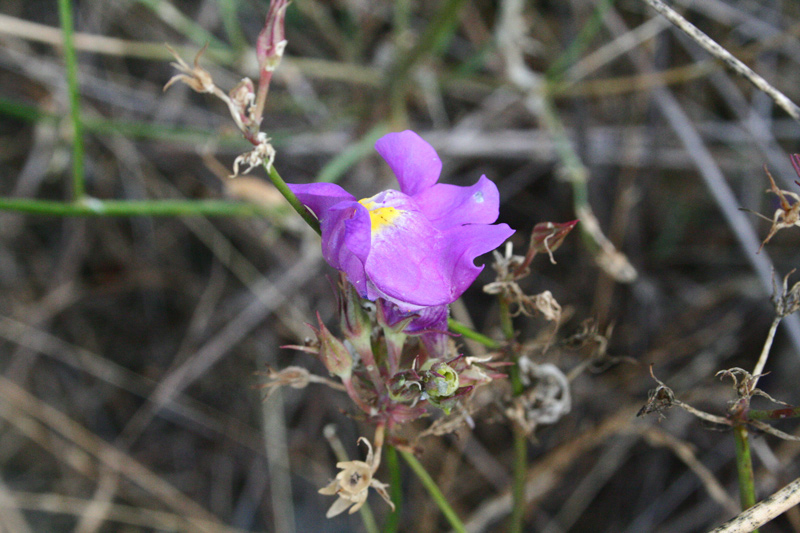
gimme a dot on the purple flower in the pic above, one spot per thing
(414, 247)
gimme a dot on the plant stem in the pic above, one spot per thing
(395, 488)
(580, 42)
(71, 62)
(461, 329)
(762, 359)
(435, 36)
(128, 208)
(433, 490)
(520, 438)
(774, 414)
(520, 472)
(292, 199)
(744, 467)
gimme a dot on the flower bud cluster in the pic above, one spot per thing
(390, 373)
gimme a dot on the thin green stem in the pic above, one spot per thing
(436, 35)
(506, 324)
(520, 438)
(433, 490)
(744, 467)
(177, 20)
(368, 519)
(292, 199)
(71, 62)
(128, 208)
(354, 153)
(395, 489)
(774, 414)
(229, 12)
(520, 473)
(464, 331)
(580, 42)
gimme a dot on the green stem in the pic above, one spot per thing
(744, 467)
(128, 208)
(434, 491)
(435, 37)
(506, 324)
(71, 62)
(520, 473)
(368, 519)
(395, 488)
(580, 42)
(774, 414)
(520, 438)
(292, 199)
(464, 331)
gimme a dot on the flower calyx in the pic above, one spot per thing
(332, 352)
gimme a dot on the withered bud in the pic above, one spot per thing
(291, 376)
(333, 353)
(788, 301)
(195, 77)
(272, 39)
(243, 95)
(547, 237)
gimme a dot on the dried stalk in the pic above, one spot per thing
(726, 57)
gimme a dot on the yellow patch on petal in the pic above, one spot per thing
(380, 217)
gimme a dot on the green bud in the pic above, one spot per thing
(405, 387)
(333, 353)
(441, 381)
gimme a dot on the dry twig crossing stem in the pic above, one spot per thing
(764, 511)
(713, 48)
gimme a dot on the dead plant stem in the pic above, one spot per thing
(713, 48)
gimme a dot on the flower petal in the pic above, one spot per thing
(426, 319)
(464, 244)
(338, 507)
(319, 197)
(412, 160)
(346, 241)
(405, 263)
(450, 205)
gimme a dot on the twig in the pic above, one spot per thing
(17, 401)
(119, 513)
(762, 359)
(709, 170)
(684, 452)
(766, 428)
(726, 57)
(764, 511)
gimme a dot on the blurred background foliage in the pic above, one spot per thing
(130, 346)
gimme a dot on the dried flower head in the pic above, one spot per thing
(788, 301)
(510, 268)
(292, 376)
(262, 154)
(352, 484)
(788, 214)
(195, 77)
